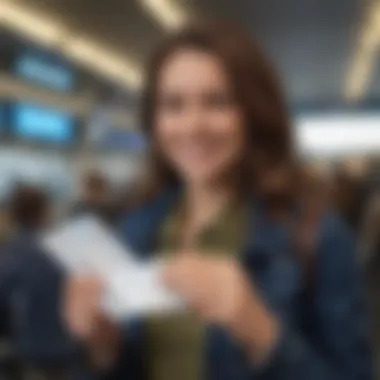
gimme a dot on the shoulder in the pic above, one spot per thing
(18, 256)
(139, 216)
(333, 228)
(139, 226)
(153, 208)
(19, 246)
(28, 253)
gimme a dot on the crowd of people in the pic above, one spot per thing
(252, 242)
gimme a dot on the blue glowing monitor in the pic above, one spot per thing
(36, 69)
(39, 123)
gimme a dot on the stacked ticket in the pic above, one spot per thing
(131, 287)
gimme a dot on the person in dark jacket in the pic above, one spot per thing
(30, 288)
(349, 198)
(227, 203)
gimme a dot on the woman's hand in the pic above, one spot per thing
(87, 323)
(219, 291)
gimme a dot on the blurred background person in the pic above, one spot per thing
(30, 299)
(370, 227)
(6, 229)
(369, 246)
(95, 194)
(349, 198)
(30, 211)
(97, 198)
(8, 362)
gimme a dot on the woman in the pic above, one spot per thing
(225, 209)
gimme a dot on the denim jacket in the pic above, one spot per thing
(324, 332)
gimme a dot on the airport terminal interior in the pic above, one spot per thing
(72, 71)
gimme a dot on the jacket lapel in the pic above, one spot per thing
(141, 228)
(268, 258)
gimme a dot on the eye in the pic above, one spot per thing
(217, 100)
(171, 103)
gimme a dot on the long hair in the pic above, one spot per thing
(268, 166)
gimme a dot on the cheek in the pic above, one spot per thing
(166, 129)
(227, 132)
(219, 134)
(228, 128)
(169, 131)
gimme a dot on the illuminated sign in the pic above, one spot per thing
(38, 70)
(37, 123)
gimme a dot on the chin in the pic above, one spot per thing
(201, 176)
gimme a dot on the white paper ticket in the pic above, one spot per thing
(131, 287)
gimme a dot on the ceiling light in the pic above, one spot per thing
(362, 65)
(87, 53)
(167, 12)
(359, 76)
(345, 134)
(48, 32)
(31, 24)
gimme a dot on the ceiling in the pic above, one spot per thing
(312, 42)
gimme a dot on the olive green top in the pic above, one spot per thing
(175, 342)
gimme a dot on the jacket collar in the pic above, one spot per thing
(142, 228)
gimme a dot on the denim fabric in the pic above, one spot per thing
(324, 334)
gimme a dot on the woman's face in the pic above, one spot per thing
(198, 124)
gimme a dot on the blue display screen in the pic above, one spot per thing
(38, 123)
(123, 140)
(36, 69)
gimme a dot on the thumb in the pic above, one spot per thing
(176, 269)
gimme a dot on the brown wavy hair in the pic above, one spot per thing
(268, 167)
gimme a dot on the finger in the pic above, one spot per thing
(69, 294)
(81, 298)
(172, 271)
(176, 273)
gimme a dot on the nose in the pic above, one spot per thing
(193, 119)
